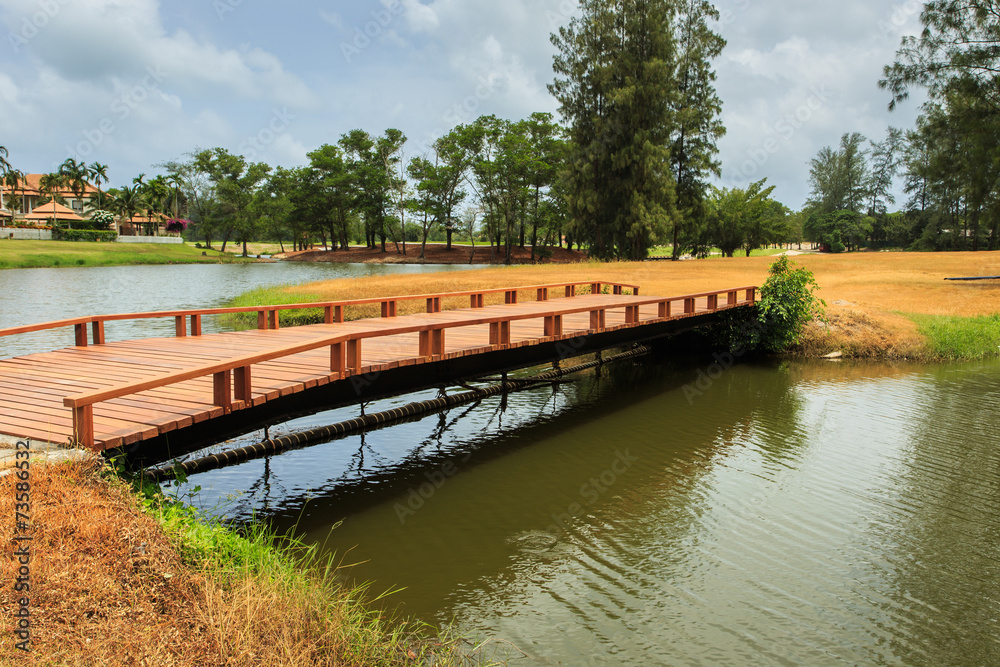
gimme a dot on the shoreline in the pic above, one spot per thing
(20, 254)
(435, 253)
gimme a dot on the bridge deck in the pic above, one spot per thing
(35, 389)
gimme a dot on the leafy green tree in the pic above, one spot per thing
(839, 176)
(235, 182)
(338, 191)
(616, 87)
(739, 218)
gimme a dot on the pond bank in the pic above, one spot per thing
(16, 254)
(122, 578)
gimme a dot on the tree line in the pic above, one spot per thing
(949, 162)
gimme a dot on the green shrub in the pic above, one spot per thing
(785, 306)
(86, 235)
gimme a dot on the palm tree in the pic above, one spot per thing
(5, 169)
(126, 202)
(50, 184)
(12, 178)
(75, 177)
(99, 172)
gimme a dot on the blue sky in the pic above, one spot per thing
(133, 83)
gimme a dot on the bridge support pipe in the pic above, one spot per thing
(374, 420)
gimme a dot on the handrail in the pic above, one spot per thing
(345, 349)
(267, 314)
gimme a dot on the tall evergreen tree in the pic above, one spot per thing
(696, 109)
(616, 87)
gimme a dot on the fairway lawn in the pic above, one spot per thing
(46, 254)
(871, 296)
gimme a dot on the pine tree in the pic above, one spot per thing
(617, 91)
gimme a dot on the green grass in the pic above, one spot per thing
(668, 251)
(957, 338)
(272, 295)
(56, 254)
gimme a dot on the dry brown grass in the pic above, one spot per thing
(873, 288)
(109, 588)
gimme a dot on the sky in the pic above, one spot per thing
(135, 83)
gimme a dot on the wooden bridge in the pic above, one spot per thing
(108, 395)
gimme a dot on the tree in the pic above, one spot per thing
(738, 218)
(957, 52)
(74, 176)
(99, 173)
(235, 182)
(9, 177)
(885, 160)
(696, 111)
(839, 177)
(126, 201)
(337, 188)
(616, 88)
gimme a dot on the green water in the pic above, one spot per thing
(667, 513)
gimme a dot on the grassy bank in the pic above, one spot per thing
(56, 254)
(119, 578)
(880, 305)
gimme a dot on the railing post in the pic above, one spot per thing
(553, 325)
(570, 290)
(354, 355)
(631, 314)
(272, 316)
(635, 291)
(338, 359)
(222, 389)
(434, 304)
(752, 294)
(81, 335)
(617, 289)
(242, 384)
(713, 301)
(500, 333)
(476, 300)
(432, 343)
(196, 325)
(389, 308)
(663, 309)
(97, 328)
(731, 298)
(689, 306)
(510, 296)
(328, 314)
(179, 326)
(595, 288)
(262, 319)
(597, 319)
(83, 425)
(542, 294)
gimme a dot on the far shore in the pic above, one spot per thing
(434, 253)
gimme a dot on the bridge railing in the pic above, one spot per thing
(267, 315)
(232, 384)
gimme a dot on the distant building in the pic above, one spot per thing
(29, 192)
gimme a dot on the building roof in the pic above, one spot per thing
(52, 211)
(30, 184)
